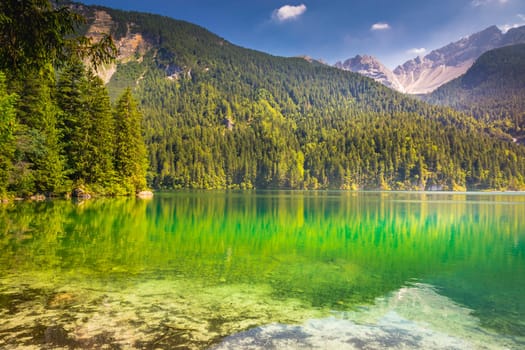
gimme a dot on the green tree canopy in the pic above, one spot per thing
(130, 150)
(34, 33)
(7, 128)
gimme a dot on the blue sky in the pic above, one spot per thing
(333, 30)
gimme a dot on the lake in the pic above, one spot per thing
(262, 270)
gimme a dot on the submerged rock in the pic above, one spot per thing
(61, 300)
(48, 337)
(57, 335)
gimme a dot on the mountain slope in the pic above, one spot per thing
(422, 75)
(221, 116)
(492, 89)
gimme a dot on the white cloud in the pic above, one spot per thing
(506, 27)
(380, 26)
(417, 51)
(289, 12)
(477, 3)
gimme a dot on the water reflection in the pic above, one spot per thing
(330, 250)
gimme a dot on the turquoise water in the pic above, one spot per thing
(258, 270)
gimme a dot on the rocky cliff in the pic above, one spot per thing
(422, 75)
(372, 68)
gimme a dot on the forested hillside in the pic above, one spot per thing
(220, 116)
(492, 90)
(59, 134)
(214, 115)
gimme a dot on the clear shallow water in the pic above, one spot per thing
(258, 270)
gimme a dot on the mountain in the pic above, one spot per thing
(492, 89)
(220, 116)
(371, 67)
(422, 75)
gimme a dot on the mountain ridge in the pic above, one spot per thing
(221, 116)
(371, 67)
(423, 75)
(491, 89)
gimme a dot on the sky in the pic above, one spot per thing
(334, 30)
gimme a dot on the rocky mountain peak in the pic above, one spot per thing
(372, 68)
(514, 36)
(424, 74)
(420, 76)
(359, 62)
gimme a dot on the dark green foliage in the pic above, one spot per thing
(7, 128)
(56, 137)
(130, 157)
(492, 90)
(220, 116)
(86, 119)
(126, 75)
(34, 33)
(38, 165)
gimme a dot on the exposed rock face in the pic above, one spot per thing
(425, 74)
(372, 68)
(514, 36)
(132, 46)
(101, 25)
(426, 77)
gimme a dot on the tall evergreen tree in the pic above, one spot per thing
(35, 38)
(87, 126)
(39, 166)
(130, 149)
(103, 132)
(7, 127)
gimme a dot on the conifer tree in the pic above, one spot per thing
(130, 149)
(87, 126)
(36, 38)
(7, 127)
(39, 166)
(34, 33)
